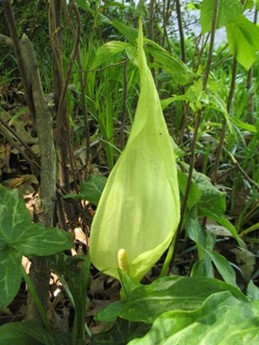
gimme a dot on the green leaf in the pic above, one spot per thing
(10, 276)
(84, 4)
(228, 11)
(91, 189)
(127, 283)
(203, 268)
(127, 31)
(163, 59)
(121, 333)
(13, 214)
(222, 320)
(223, 221)
(223, 266)
(218, 104)
(19, 233)
(194, 230)
(249, 4)
(211, 198)
(252, 291)
(40, 241)
(164, 294)
(28, 333)
(110, 49)
(244, 125)
(19, 236)
(196, 233)
(111, 313)
(243, 40)
(13, 336)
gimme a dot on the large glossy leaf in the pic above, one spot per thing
(18, 232)
(243, 40)
(13, 214)
(20, 236)
(40, 241)
(147, 302)
(228, 11)
(222, 320)
(145, 176)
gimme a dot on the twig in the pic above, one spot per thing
(62, 98)
(235, 161)
(24, 144)
(195, 134)
(18, 54)
(224, 124)
(181, 32)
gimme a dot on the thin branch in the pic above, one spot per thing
(195, 134)
(224, 124)
(181, 32)
(18, 54)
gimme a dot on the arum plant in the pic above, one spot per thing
(139, 209)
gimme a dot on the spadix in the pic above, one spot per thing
(139, 209)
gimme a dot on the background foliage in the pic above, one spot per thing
(208, 88)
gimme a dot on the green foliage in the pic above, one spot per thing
(171, 310)
(242, 33)
(90, 189)
(74, 274)
(107, 51)
(222, 319)
(173, 293)
(29, 333)
(20, 236)
(228, 11)
(121, 333)
(243, 40)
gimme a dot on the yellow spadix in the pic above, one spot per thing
(139, 209)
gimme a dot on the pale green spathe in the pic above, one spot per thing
(139, 209)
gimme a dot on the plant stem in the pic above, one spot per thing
(18, 54)
(40, 271)
(36, 299)
(224, 124)
(195, 134)
(181, 32)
